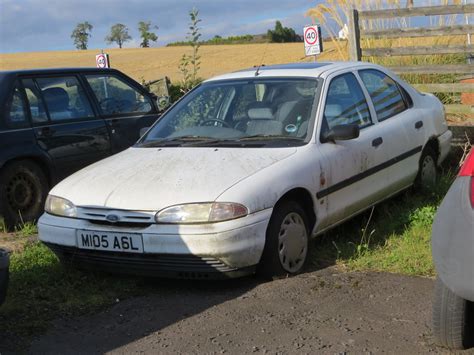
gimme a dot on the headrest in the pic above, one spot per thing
(56, 98)
(333, 110)
(260, 113)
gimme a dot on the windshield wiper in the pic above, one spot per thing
(180, 141)
(268, 137)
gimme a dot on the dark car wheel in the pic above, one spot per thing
(23, 190)
(428, 170)
(4, 264)
(286, 244)
(453, 318)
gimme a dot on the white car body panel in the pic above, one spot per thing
(452, 239)
(166, 176)
(342, 178)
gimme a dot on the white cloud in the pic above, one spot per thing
(27, 25)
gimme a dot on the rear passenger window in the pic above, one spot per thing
(345, 103)
(383, 90)
(64, 98)
(16, 113)
(116, 97)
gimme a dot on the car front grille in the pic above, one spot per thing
(113, 217)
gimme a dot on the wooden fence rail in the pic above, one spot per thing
(356, 52)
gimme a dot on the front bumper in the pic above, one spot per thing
(225, 249)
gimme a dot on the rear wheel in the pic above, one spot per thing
(453, 318)
(23, 190)
(286, 244)
(428, 170)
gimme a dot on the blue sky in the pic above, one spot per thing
(43, 25)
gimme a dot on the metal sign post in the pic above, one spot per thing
(313, 44)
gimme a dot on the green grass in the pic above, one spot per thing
(395, 239)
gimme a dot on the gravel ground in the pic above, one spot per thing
(324, 311)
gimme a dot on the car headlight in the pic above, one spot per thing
(60, 206)
(201, 213)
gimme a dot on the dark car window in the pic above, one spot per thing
(383, 90)
(16, 112)
(64, 98)
(35, 102)
(345, 103)
(116, 97)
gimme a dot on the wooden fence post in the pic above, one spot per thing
(354, 36)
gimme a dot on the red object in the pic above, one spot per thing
(467, 169)
(467, 98)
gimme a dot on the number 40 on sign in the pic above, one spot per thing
(313, 43)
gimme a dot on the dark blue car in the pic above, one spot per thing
(53, 122)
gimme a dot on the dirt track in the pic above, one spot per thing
(318, 312)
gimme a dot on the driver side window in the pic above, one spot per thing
(345, 103)
(116, 97)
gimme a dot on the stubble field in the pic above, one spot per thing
(154, 63)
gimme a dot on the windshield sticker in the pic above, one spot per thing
(291, 128)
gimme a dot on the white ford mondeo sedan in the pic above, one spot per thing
(239, 174)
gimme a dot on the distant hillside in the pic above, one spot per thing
(245, 39)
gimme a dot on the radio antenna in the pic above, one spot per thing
(257, 72)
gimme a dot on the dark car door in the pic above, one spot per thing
(125, 106)
(64, 122)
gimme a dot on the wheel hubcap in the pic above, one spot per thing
(292, 242)
(428, 171)
(20, 193)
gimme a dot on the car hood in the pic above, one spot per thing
(149, 179)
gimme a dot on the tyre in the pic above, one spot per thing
(23, 190)
(4, 264)
(286, 243)
(453, 317)
(427, 171)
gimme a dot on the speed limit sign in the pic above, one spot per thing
(312, 40)
(102, 60)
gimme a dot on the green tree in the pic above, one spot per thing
(118, 34)
(145, 34)
(282, 34)
(190, 77)
(81, 34)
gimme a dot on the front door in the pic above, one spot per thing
(126, 108)
(353, 169)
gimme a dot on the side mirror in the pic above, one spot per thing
(143, 131)
(341, 132)
(163, 102)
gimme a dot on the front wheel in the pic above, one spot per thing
(23, 190)
(453, 318)
(286, 244)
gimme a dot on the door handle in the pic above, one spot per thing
(377, 141)
(419, 124)
(45, 132)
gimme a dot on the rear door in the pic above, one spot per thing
(64, 122)
(125, 106)
(403, 125)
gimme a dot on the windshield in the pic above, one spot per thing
(245, 112)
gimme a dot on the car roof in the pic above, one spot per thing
(306, 69)
(52, 70)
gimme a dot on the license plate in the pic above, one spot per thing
(111, 241)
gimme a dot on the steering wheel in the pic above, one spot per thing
(214, 120)
(107, 104)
